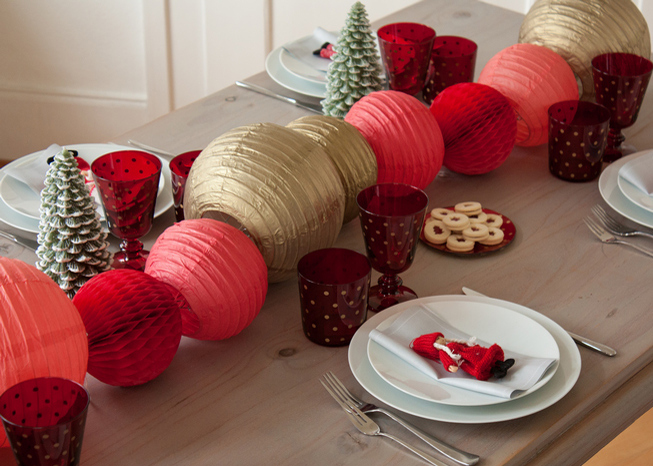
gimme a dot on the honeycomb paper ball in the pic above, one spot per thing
(133, 324)
(277, 184)
(478, 126)
(347, 148)
(403, 134)
(579, 30)
(532, 78)
(219, 271)
(41, 331)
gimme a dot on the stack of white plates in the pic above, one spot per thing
(19, 204)
(622, 195)
(403, 387)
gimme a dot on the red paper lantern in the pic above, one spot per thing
(133, 324)
(478, 126)
(42, 334)
(404, 135)
(219, 271)
(532, 78)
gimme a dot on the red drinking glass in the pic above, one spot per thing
(179, 170)
(391, 217)
(620, 82)
(333, 291)
(405, 53)
(128, 182)
(44, 419)
(453, 60)
(578, 134)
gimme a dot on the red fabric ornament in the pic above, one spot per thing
(133, 324)
(41, 333)
(473, 359)
(532, 78)
(219, 271)
(404, 135)
(478, 125)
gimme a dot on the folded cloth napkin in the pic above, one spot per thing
(33, 172)
(639, 173)
(421, 320)
(303, 49)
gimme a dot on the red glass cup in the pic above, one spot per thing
(620, 82)
(405, 53)
(128, 183)
(578, 134)
(391, 217)
(453, 60)
(333, 290)
(44, 419)
(179, 170)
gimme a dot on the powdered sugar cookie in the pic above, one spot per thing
(456, 222)
(476, 232)
(436, 232)
(440, 212)
(494, 220)
(480, 218)
(495, 236)
(469, 208)
(458, 243)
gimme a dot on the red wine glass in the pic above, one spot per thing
(620, 81)
(128, 182)
(391, 216)
(179, 169)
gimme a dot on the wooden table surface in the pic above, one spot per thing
(256, 399)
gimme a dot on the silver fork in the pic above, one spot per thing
(615, 227)
(449, 451)
(368, 427)
(606, 237)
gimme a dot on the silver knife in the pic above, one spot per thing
(298, 103)
(586, 342)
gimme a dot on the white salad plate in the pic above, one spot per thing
(291, 81)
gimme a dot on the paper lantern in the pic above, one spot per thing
(42, 334)
(277, 184)
(219, 271)
(133, 324)
(532, 78)
(403, 134)
(579, 30)
(478, 126)
(348, 150)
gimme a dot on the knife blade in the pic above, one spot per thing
(582, 341)
(298, 103)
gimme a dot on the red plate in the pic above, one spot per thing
(508, 229)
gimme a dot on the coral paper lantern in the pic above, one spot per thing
(532, 78)
(219, 271)
(133, 323)
(41, 333)
(403, 134)
(579, 30)
(478, 126)
(348, 150)
(274, 182)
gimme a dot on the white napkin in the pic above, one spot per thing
(33, 172)
(421, 320)
(303, 49)
(639, 173)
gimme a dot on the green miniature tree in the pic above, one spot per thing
(355, 70)
(72, 246)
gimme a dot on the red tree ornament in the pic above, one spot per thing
(404, 135)
(478, 126)
(532, 78)
(133, 323)
(41, 333)
(219, 271)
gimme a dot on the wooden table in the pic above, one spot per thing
(255, 398)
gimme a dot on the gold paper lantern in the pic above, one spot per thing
(276, 184)
(579, 30)
(349, 151)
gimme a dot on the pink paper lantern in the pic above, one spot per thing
(532, 78)
(133, 324)
(42, 334)
(404, 135)
(219, 271)
(478, 126)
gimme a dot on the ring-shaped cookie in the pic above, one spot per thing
(436, 232)
(494, 220)
(476, 232)
(495, 236)
(456, 221)
(458, 243)
(440, 212)
(480, 218)
(469, 208)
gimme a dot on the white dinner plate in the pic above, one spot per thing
(634, 194)
(560, 384)
(490, 323)
(290, 81)
(19, 204)
(612, 195)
